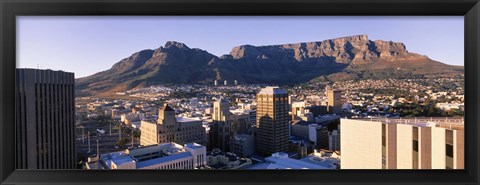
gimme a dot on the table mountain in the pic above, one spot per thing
(346, 58)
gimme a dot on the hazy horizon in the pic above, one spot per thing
(87, 44)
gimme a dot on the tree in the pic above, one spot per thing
(123, 142)
(136, 133)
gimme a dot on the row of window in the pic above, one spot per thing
(186, 164)
(55, 147)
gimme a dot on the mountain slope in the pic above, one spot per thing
(354, 57)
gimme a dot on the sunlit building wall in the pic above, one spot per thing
(394, 145)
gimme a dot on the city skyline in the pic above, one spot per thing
(71, 43)
(241, 126)
(299, 93)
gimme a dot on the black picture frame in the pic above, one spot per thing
(9, 9)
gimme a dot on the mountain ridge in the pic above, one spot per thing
(351, 57)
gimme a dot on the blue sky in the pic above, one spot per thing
(88, 44)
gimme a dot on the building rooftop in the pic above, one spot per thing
(322, 161)
(259, 166)
(444, 122)
(168, 152)
(123, 160)
(306, 123)
(166, 108)
(221, 100)
(108, 158)
(240, 111)
(194, 145)
(159, 146)
(272, 90)
(281, 160)
(112, 155)
(242, 137)
(327, 117)
(186, 119)
(302, 122)
(228, 160)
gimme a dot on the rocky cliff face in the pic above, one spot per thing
(342, 50)
(352, 57)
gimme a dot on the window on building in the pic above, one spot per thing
(449, 150)
(415, 145)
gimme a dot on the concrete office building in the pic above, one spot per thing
(45, 119)
(334, 101)
(221, 128)
(158, 156)
(170, 128)
(402, 144)
(226, 124)
(243, 145)
(241, 121)
(319, 135)
(253, 119)
(299, 128)
(317, 110)
(334, 140)
(316, 132)
(272, 121)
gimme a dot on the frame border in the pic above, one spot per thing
(9, 9)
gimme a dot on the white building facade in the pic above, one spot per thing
(161, 156)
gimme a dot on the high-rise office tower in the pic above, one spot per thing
(221, 110)
(221, 128)
(45, 119)
(429, 143)
(272, 121)
(334, 100)
(215, 82)
(225, 82)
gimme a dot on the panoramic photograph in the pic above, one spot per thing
(240, 92)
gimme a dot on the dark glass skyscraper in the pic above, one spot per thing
(45, 119)
(272, 121)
